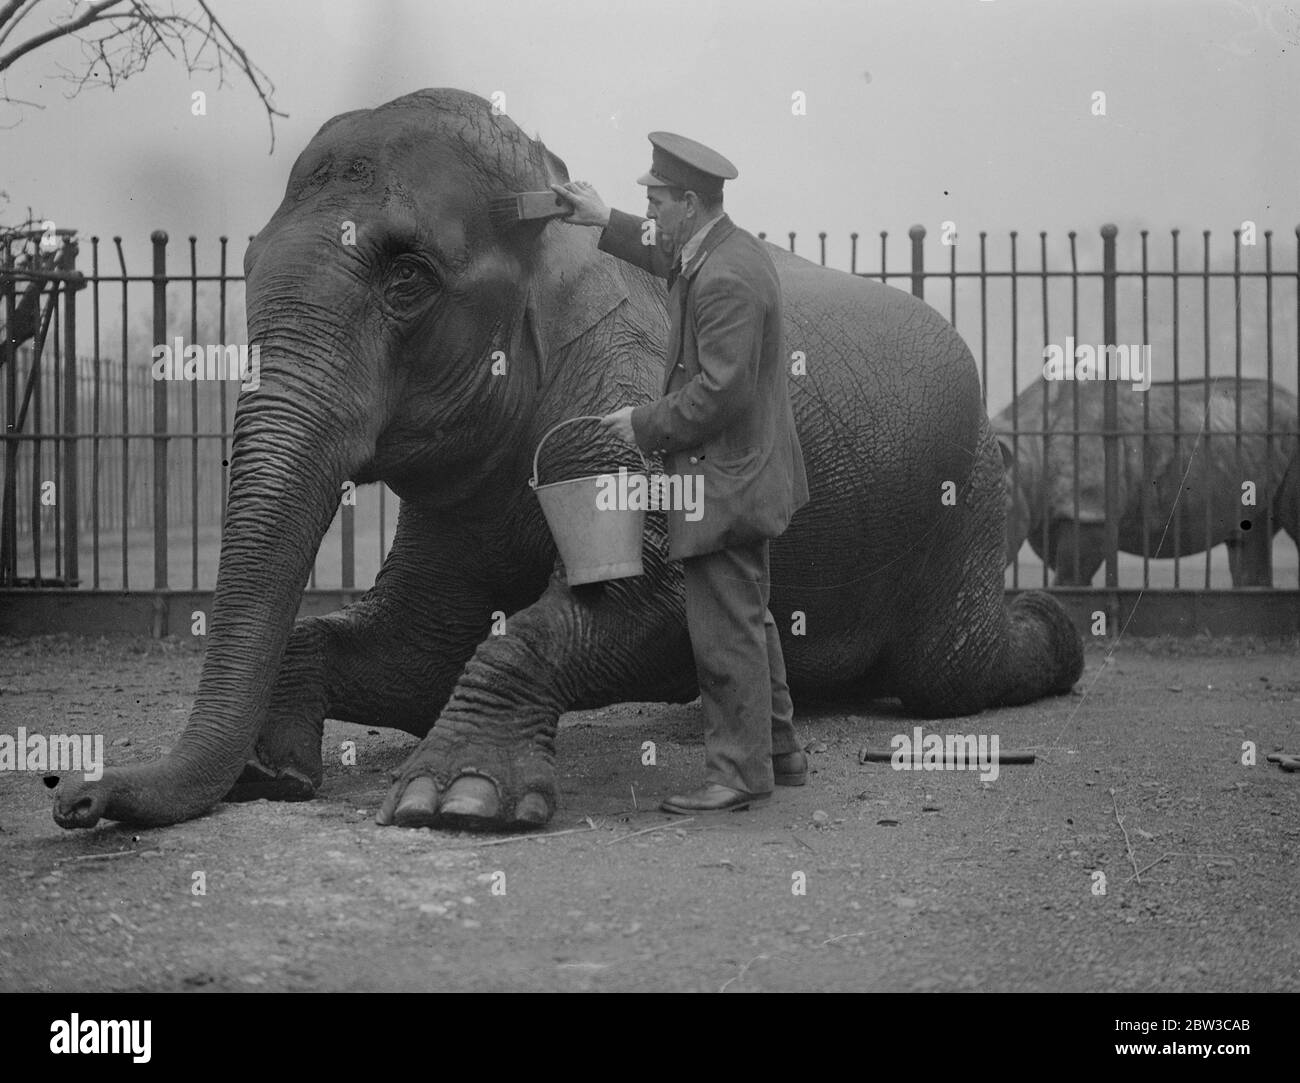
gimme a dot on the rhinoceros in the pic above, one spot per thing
(1175, 497)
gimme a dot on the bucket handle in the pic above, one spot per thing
(532, 482)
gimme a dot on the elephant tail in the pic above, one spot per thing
(1043, 655)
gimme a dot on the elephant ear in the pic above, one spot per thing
(528, 342)
(560, 308)
(572, 284)
(573, 298)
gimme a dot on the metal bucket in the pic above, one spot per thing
(594, 543)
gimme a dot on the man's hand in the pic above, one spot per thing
(588, 208)
(620, 424)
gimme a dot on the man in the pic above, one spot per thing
(724, 415)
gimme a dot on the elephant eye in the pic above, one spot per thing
(410, 279)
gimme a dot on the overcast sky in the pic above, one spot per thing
(976, 111)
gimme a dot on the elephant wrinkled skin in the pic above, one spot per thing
(382, 360)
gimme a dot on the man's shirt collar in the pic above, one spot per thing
(691, 247)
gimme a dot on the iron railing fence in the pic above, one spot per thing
(1244, 358)
(115, 484)
(108, 471)
(112, 479)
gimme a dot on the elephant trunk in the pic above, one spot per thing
(289, 461)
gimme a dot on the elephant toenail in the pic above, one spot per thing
(532, 809)
(254, 771)
(419, 804)
(472, 796)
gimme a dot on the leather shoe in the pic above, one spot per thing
(712, 797)
(790, 769)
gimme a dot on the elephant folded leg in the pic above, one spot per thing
(1015, 654)
(390, 659)
(489, 760)
(286, 761)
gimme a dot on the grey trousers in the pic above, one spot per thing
(748, 713)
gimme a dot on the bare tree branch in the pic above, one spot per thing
(140, 9)
(8, 9)
(250, 70)
(5, 16)
(59, 30)
(118, 38)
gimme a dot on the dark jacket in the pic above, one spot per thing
(725, 412)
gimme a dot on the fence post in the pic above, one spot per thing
(1271, 521)
(348, 527)
(1110, 423)
(9, 511)
(69, 497)
(159, 239)
(917, 233)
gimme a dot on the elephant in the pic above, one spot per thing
(431, 355)
(1171, 500)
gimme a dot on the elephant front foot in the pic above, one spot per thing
(258, 782)
(452, 783)
(286, 763)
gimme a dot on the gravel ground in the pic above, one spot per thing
(866, 879)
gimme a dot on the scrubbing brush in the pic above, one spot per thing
(507, 210)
